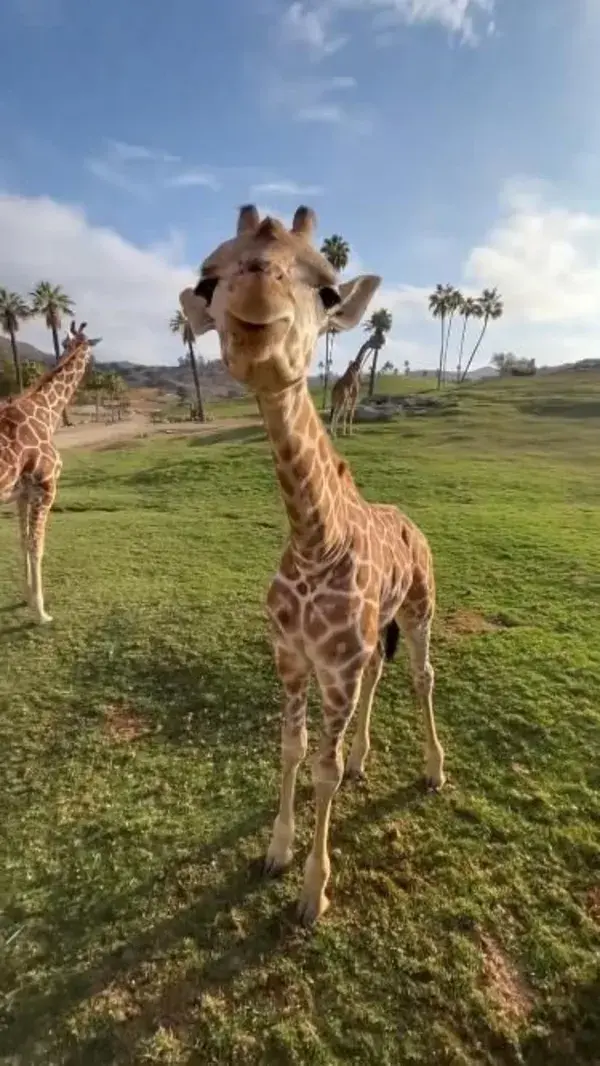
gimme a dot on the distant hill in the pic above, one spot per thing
(214, 379)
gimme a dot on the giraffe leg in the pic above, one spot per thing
(294, 674)
(355, 763)
(351, 419)
(417, 636)
(39, 511)
(335, 414)
(328, 769)
(23, 515)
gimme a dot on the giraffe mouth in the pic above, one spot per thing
(273, 329)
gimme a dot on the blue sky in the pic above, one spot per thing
(448, 140)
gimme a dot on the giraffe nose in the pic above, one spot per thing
(261, 265)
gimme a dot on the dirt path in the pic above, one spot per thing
(100, 434)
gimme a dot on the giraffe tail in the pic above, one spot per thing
(390, 640)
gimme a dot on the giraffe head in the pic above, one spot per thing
(77, 336)
(269, 294)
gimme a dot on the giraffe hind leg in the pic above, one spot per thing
(23, 513)
(361, 744)
(416, 630)
(39, 511)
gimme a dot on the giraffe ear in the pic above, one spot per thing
(355, 296)
(196, 311)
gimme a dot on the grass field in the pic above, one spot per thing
(140, 764)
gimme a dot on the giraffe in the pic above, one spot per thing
(30, 465)
(353, 575)
(344, 394)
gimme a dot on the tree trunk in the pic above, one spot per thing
(475, 350)
(196, 376)
(16, 361)
(373, 373)
(446, 346)
(65, 417)
(461, 349)
(439, 373)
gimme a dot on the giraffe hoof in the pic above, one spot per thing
(355, 776)
(435, 784)
(44, 618)
(310, 909)
(275, 867)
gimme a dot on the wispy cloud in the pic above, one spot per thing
(138, 153)
(285, 188)
(310, 28)
(322, 28)
(142, 171)
(318, 99)
(39, 14)
(191, 178)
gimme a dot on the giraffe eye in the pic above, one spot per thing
(206, 289)
(330, 297)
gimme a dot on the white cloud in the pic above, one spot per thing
(127, 293)
(543, 257)
(286, 188)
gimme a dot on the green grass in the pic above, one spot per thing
(140, 764)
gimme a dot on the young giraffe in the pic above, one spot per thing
(30, 465)
(344, 394)
(353, 574)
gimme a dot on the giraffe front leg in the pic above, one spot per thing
(355, 763)
(339, 702)
(294, 673)
(40, 509)
(23, 515)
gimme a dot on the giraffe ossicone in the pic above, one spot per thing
(30, 465)
(353, 574)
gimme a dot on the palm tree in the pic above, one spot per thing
(469, 308)
(180, 324)
(52, 303)
(491, 307)
(438, 305)
(337, 251)
(454, 301)
(379, 325)
(13, 311)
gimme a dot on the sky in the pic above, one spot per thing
(453, 141)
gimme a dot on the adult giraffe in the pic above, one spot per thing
(353, 573)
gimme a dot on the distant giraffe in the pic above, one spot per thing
(353, 574)
(345, 392)
(30, 465)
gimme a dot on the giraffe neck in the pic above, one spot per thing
(312, 477)
(57, 388)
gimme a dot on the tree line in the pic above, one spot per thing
(52, 304)
(445, 303)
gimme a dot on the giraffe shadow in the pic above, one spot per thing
(234, 435)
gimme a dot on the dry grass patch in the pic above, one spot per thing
(505, 987)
